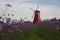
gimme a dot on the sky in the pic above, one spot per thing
(21, 8)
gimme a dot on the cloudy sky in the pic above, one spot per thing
(21, 8)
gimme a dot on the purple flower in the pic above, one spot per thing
(8, 25)
(8, 19)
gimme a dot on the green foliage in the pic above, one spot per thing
(41, 32)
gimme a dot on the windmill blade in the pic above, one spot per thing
(32, 9)
(32, 15)
(37, 7)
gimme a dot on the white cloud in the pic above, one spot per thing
(50, 11)
(22, 10)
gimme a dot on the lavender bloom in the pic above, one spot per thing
(8, 25)
(8, 20)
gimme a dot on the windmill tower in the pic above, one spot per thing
(36, 15)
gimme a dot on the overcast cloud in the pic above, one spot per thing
(21, 8)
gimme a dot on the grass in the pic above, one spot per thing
(44, 31)
(41, 33)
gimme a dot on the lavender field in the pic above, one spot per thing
(29, 19)
(26, 30)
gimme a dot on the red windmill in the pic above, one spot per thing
(36, 15)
